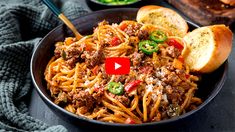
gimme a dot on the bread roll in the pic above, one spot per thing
(209, 47)
(230, 2)
(163, 17)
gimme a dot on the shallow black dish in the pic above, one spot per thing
(96, 5)
(209, 86)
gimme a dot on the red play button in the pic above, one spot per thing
(117, 65)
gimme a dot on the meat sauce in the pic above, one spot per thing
(171, 81)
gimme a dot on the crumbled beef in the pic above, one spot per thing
(132, 29)
(168, 89)
(170, 67)
(62, 98)
(120, 78)
(136, 58)
(98, 96)
(83, 110)
(179, 71)
(129, 79)
(58, 49)
(74, 51)
(143, 34)
(185, 85)
(72, 61)
(133, 41)
(57, 52)
(162, 72)
(123, 99)
(174, 94)
(174, 97)
(84, 99)
(173, 52)
(172, 78)
(146, 69)
(72, 54)
(96, 58)
(163, 51)
(87, 100)
(105, 77)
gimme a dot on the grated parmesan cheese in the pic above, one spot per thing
(149, 87)
(164, 97)
(149, 80)
(158, 82)
(154, 97)
(87, 82)
(87, 90)
(96, 85)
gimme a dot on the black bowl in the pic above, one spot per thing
(96, 5)
(209, 86)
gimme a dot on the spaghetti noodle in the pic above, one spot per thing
(159, 86)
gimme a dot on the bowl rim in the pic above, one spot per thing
(44, 98)
(110, 5)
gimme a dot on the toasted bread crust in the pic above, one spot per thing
(146, 10)
(230, 2)
(218, 47)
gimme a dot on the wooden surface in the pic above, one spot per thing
(219, 115)
(206, 12)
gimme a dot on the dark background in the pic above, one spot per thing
(218, 115)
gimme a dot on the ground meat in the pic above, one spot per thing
(105, 77)
(62, 98)
(185, 85)
(133, 41)
(146, 69)
(174, 94)
(74, 51)
(87, 100)
(170, 67)
(57, 52)
(123, 99)
(180, 71)
(132, 29)
(96, 58)
(84, 99)
(71, 62)
(168, 78)
(98, 96)
(162, 50)
(143, 34)
(70, 55)
(168, 89)
(162, 72)
(83, 110)
(129, 79)
(136, 58)
(172, 78)
(120, 78)
(172, 51)
(58, 49)
(174, 97)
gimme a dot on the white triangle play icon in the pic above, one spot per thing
(116, 66)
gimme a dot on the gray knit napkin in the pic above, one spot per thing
(22, 24)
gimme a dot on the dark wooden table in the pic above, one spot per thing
(219, 115)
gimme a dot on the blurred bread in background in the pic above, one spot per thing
(229, 2)
(207, 12)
